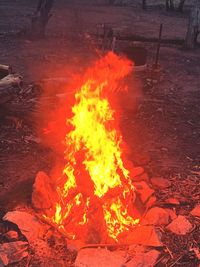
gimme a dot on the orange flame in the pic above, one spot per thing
(95, 187)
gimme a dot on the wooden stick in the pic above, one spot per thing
(158, 47)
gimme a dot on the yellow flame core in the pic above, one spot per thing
(103, 156)
(99, 143)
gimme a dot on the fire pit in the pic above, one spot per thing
(93, 197)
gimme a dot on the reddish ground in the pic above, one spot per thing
(162, 130)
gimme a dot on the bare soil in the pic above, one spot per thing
(162, 129)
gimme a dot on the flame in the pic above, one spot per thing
(95, 184)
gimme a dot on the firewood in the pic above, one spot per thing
(10, 80)
(5, 70)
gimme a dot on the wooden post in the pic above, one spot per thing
(193, 26)
(158, 47)
(144, 4)
(180, 6)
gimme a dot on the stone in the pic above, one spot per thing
(156, 216)
(28, 224)
(43, 193)
(147, 259)
(172, 201)
(136, 172)
(196, 211)
(92, 257)
(180, 226)
(145, 235)
(11, 235)
(160, 183)
(13, 252)
(172, 214)
(143, 177)
(144, 191)
(152, 200)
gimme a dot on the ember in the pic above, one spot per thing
(95, 193)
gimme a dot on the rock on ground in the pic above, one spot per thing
(28, 224)
(100, 258)
(145, 235)
(180, 226)
(43, 194)
(156, 216)
(196, 211)
(160, 183)
(143, 190)
(147, 259)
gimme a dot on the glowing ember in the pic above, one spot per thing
(95, 192)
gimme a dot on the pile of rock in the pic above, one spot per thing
(142, 247)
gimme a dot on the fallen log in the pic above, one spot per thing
(11, 80)
(5, 70)
(10, 85)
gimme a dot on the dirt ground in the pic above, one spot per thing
(162, 130)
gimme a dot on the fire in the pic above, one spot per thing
(95, 190)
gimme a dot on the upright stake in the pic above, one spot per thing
(158, 46)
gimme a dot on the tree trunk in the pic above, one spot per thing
(192, 31)
(41, 18)
(180, 6)
(144, 5)
(171, 5)
(167, 4)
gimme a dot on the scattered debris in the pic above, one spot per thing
(13, 252)
(34, 139)
(11, 235)
(180, 226)
(28, 224)
(197, 252)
